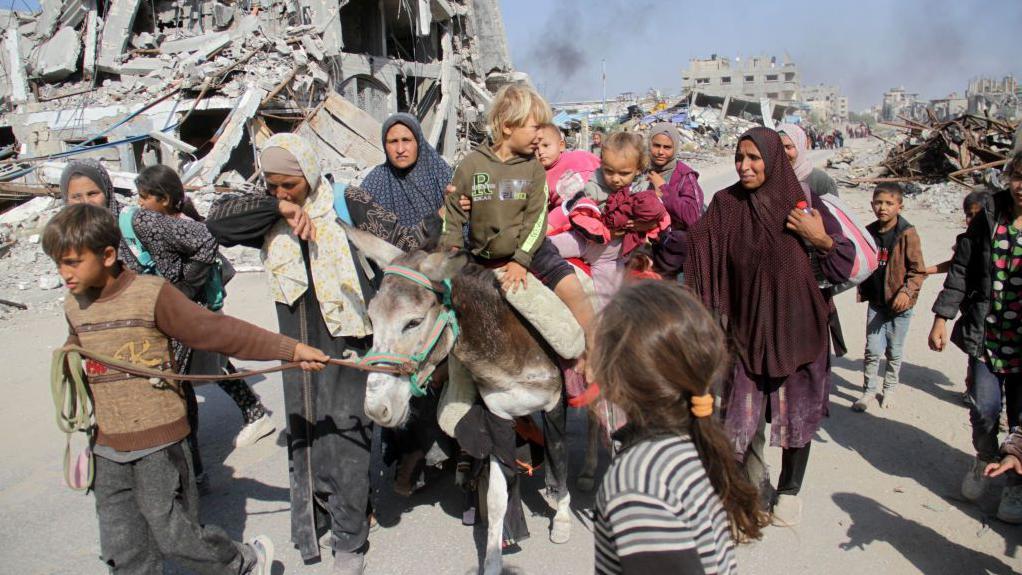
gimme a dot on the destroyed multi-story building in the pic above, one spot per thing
(826, 102)
(996, 98)
(754, 78)
(198, 84)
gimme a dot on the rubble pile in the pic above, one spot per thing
(199, 85)
(959, 150)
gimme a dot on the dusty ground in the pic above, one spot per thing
(881, 493)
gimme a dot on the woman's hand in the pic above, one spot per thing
(938, 334)
(810, 227)
(298, 219)
(657, 180)
(514, 276)
(311, 358)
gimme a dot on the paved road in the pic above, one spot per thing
(880, 494)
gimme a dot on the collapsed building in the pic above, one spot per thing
(198, 84)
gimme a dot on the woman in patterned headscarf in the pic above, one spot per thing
(748, 263)
(398, 200)
(320, 296)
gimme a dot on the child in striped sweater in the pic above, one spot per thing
(673, 499)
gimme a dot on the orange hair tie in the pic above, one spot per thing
(701, 405)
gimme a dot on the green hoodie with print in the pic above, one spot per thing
(508, 215)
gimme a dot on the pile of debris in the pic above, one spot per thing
(959, 150)
(199, 85)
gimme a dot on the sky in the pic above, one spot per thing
(866, 47)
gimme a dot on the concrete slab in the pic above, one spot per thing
(190, 44)
(206, 170)
(116, 31)
(16, 79)
(141, 66)
(57, 58)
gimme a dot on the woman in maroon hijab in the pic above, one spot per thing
(757, 259)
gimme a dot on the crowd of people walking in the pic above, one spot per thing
(712, 328)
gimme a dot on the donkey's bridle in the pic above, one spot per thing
(420, 374)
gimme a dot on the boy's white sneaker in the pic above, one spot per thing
(974, 484)
(255, 431)
(1010, 508)
(865, 401)
(263, 547)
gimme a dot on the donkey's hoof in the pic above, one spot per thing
(561, 531)
(586, 483)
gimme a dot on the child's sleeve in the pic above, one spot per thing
(915, 267)
(534, 222)
(182, 319)
(950, 299)
(455, 218)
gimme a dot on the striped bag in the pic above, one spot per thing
(865, 248)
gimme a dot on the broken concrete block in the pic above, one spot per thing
(74, 12)
(120, 17)
(189, 44)
(49, 282)
(141, 66)
(313, 46)
(91, 35)
(16, 78)
(48, 19)
(318, 73)
(58, 57)
(222, 15)
(27, 212)
(143, 40)
(206, 170)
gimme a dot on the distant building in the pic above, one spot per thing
(950, 107)
(997, 98)
(898, 102)
(754, 78)
(826, 101)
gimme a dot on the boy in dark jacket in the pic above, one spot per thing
(146, 496)
(891, 292)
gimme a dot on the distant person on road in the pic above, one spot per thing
(597, 141)
(891, 293)
(673, 500)
(749, 260)
(984, 284)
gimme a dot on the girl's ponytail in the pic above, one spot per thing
(739, 498)
(188, 208)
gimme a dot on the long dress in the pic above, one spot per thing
(329, 435)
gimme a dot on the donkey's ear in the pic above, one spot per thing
(380, 251)
(441, 266)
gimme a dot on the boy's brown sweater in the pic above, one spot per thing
(134, 319)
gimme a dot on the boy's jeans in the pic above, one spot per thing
(987, 391)
(885, 335)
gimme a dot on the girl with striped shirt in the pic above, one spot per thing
(673, 500)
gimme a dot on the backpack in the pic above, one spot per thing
(213, 292)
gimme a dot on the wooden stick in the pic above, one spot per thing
(13, 304)
(979, 167)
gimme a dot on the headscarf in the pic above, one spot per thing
(803, 167)
(412, 193)
(755, 274)
(666, 129)
(333, 268)
(94, 170)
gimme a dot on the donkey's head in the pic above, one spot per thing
(406, 314)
